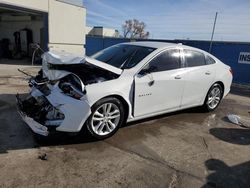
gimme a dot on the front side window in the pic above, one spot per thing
(123, 56)
(194, 58)
(167, 60)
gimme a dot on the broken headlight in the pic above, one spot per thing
(72, 86)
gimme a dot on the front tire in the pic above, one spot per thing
(107, 117)
(213, 98)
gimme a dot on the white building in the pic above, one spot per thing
(56, 24)
(102, 31)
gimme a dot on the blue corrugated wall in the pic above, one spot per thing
(228, 52)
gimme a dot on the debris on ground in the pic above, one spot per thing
(43, 157)
(241, 121)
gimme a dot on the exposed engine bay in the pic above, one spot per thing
(88, 73)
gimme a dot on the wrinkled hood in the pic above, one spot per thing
(59, 58)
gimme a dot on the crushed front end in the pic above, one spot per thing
(56, 101)
(53, 106)
(39, 114)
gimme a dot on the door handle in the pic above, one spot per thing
(208, 73)
(177, 77)
(151, 83)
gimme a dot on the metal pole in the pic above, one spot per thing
(211, 42)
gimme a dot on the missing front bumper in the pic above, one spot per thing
(34, 125)
(53, 112)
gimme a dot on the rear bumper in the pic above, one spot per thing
(35, 126)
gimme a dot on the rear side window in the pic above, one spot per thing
(194, 58)
(210, 60)
(167, 60)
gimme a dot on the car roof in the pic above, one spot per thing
(153, 44)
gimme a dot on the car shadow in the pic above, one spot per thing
(61, 138)
(194, 110)
(15, 134)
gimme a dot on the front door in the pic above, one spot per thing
(159, 85)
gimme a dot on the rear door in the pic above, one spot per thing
(200, 76)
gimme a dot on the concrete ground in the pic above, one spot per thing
(184, 149)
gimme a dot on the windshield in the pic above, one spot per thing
(123, 56)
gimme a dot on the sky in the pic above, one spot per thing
(176, 19)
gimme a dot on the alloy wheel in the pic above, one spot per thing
(105, 119)
(214, 97)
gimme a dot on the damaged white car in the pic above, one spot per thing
(122, 83)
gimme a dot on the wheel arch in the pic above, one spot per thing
(126, 105)
(217, 82)
(222, 86)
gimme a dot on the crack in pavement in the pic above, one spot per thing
(206, 147)
(163, 163)
(174, 181)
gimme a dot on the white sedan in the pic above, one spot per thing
(123, 83)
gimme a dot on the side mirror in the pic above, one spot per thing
(148, 70)
(143, 72)
(152, 69)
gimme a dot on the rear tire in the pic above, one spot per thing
(107, 116)
(213, 98)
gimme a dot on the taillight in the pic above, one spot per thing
(230, 70)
